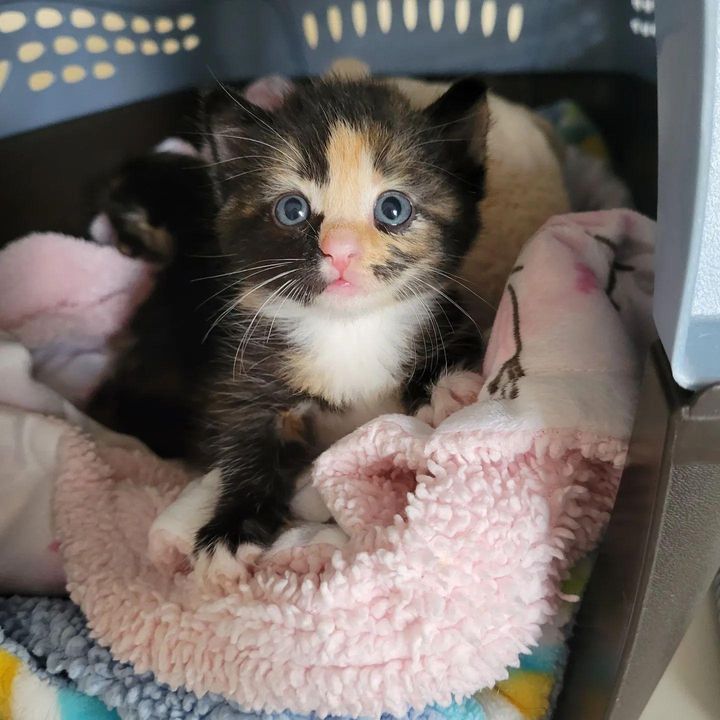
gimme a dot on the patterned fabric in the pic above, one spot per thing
(575, 128)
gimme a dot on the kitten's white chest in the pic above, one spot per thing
(354, 361)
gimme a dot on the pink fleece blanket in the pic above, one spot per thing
(451, 541)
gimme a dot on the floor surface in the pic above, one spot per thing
(690, 688)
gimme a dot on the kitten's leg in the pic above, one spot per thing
(260, 459)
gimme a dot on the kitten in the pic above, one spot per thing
(360, 208)
(343, 215)
(160, 208)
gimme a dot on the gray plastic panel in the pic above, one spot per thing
(151, 55)
(658, 557)
(687, 292)
(128, 50)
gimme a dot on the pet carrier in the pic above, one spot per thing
(84, 83)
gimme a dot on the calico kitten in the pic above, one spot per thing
(343, 215)
(160, 208)
(360, 209)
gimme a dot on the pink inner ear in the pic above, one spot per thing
(268, 92)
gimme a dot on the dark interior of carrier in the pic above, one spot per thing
(49, 176)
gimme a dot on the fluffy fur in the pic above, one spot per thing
(160, 208)
(351, 356)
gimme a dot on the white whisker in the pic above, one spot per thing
(452, 302)
(235, 303)
(242, 346)
(272, 265)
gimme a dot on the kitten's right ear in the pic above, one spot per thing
(226, 116)
(268, 92)
(226, 112)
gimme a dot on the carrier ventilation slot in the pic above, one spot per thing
(642, 24)
(440, 14)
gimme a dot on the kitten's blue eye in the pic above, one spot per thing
(393, 209)
(291, 210)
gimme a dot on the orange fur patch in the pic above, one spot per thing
(292, 426)
(353, 185)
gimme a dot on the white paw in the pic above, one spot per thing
(172, 535)
(307, 503)
(451, 393)
(221, 565)
(309, 534)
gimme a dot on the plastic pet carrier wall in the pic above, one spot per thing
(61, 62)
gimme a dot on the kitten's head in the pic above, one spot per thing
(344, 197)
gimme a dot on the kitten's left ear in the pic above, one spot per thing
(462, 113)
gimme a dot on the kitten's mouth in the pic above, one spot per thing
(342, 286)
(346, 281)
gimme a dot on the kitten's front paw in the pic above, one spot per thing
(228, 544)
(220, 564)
(231, 528)
(451, 393)
(172, 534)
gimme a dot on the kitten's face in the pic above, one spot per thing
(344, 198)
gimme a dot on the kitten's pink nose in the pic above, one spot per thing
(341, 245)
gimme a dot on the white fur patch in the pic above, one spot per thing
(172, 535)
(178, 146)
(331, 426)
(310, 534)
(307, 504)
(357, 359)
(102, 231)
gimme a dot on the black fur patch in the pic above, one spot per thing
(389, 270)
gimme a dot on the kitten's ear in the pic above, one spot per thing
(226, 111)
(462, 114)
(268, 92)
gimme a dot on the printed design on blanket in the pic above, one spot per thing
(28, 692)
(625, 250)
(506, 381)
